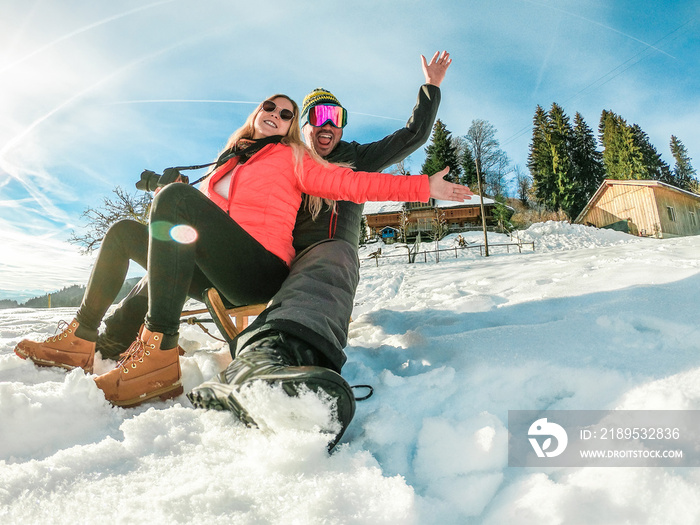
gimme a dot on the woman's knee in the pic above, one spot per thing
(125, 230)
(175, 190)
(170, 196)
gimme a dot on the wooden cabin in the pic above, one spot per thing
(419, 216)
(648, 208)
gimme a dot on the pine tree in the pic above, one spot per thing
(560, 136)
(606, 134)
(468, 170)
(564, 162)
(611, 140)
(683, 171)
(622, 155)
(442, 152)
(587, 164)
(632, 159)
(539, 160)
(502, 214)
(653, 165)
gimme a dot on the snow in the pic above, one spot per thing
(592, 319)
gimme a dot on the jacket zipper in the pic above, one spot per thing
(332, 224)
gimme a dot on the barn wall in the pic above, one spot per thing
(683, 217)
(634, 204)
(646, 210)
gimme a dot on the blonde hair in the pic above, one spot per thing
(293, 140)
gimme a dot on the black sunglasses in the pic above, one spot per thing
(270, 106)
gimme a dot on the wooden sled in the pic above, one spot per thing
(229, 320)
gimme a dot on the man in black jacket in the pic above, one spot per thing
(299, 339)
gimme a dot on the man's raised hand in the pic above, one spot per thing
(435, 70)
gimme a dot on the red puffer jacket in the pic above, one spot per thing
(265, 193)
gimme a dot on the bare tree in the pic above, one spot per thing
(438, 225)
(482, 143)
(400, 167)
(438, 229)
(484, 147)
(124, 206)
(404, 222)
(495, 178)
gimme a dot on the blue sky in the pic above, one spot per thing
(91, 93)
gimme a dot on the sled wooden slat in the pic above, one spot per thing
(229, 321)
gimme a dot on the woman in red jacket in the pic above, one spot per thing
(237, 235)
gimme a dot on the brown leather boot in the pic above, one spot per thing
(144, 372)
(64, 350)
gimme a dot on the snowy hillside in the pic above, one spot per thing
(591, 319)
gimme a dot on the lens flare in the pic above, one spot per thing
(160, 230)
(183, 234)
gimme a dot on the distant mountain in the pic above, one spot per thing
(69, 296)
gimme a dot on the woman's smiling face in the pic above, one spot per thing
(269, 123)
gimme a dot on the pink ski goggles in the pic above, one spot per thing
(323, 113)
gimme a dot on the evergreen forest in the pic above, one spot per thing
(566, 160)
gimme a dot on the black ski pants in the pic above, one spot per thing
(314, 304)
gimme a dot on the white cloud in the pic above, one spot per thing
(38, 262)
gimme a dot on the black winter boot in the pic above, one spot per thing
(112, 349)
(277, 359)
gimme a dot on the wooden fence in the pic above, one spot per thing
(411, 257)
